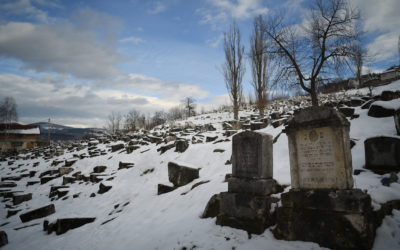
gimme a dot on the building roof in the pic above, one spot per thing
(16, 128)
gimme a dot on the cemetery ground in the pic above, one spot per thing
(120, 207)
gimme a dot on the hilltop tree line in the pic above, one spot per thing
(287, 56)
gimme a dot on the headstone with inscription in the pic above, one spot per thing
(322, 205)
(247, 203)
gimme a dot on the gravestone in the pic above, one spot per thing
(382, 154)
(322, 205)
(247, 203)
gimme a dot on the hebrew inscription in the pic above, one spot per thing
(316, 158)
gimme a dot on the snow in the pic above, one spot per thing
(31, 131)
(172, 220)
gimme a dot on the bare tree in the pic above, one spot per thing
(131, 120)
(259, 63)
(189, 104)
(316, 51)
(8, 110)
(113, 122)
(233, 69)
(357, 59)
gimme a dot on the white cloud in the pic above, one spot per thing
(214, 43)
(215, 102)
(222, 9)
(39, 98)
(132, 39)
(64, 48)
(381, 17)
(158, 7)
(27, 9)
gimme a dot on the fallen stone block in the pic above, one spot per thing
(181, 146)
(382, 154)
(117, 147)
(18, 199)
(3, 238)
(7, 184)
(212, 207)
(69, 163)
(162, 189)
(104, 187)
(126, 165)
(383, 108)
(181, 175)
(38, 213)
(61, 226)
(65, 170)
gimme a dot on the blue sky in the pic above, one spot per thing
(77, 61)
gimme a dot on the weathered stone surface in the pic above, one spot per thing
(162, 189)
(165, 148)
(131, 148)
(19, 198)
(337, 219)
(386, 181)
(46, 179)
(211, 138)
(252, 186)
(38, 213)
(212, 207)
(244, 211)
(99, 169)
(53, 190)
(5, 184)
(181, 175)
(388, 95)
(103, 188)
(117, 147)
(181, 146)
(69, 163)
(382, 154)
(63, 225)
(3, 238)
(257, 125)
(65, 170)
(126, 165)
(348, 112)
(397, 120)
(319, 149)
(252, 155)
(68, 179)
(379, 109)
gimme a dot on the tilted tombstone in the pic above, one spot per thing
(319, 149)
(322, 205)
(247, 203)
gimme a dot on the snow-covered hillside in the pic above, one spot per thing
(137, 218)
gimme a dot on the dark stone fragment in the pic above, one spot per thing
(46, 179)
(181, 146)
(126, 165)
(68, 179)
(388, 95)
(348, 112)
(181, 175)
(99, 169)
(212, 207)
(12, 212)
(358, 171)
(386, 181)
(382, 154)
(3, 238)
(63, 225)
(103, 188)
(378, 111)
(7, 184)
(117, 147)
(18, 199)
(397, 120)
(38, 213)
(211, 138)
(162, 189)
(165, 148)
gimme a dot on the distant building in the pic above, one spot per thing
(391, 74)
(15, 137)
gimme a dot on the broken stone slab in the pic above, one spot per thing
(181, 175)
(99, 169)
(61, 226)
(104, 187)
(131, 148)
(68, 179)
(181, 146)
(69, 163)
(53, 190)
(65, 170)
(211, 138)
(165, 148)
(12, 212)
(19, 198)
(386, 181)
(49, 172)
(162, 189)
(383, 108)
(46, 179)
(244, 211)
(347, 111)
(38, 213)
(397, 120)
(4, 184)
(382, 154)
(212, 208)
(257, 125)
(117, 147)
(126, 165)
(3, 238)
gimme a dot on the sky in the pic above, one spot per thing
(75, 62)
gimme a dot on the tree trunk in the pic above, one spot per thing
(235, 111)
(314, 98)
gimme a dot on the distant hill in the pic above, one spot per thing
(64, 133)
